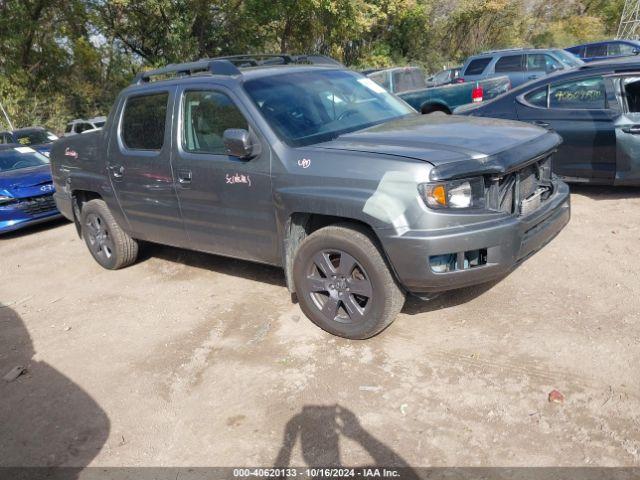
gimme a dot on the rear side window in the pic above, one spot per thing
(510, 63)
(477, 66)
(143, 121)
(537, 97)
(616, 49)
(206, 115)
(596, 51)
(585, 94)
(68, 128)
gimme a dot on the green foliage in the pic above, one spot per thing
(62, 59)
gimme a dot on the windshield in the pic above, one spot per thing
(20, 157)
(568, 59)
(311, 107)
(34, 137)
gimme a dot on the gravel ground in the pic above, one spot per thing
(187, 359)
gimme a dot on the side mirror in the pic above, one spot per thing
(636, 51)
(238, 143)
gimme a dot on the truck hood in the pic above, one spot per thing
(455, 146)
(26, 181)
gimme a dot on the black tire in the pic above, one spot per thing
(110, 246)
(348, 252)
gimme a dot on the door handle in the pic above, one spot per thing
(117, 171)
(540, 123)
(184, 177)
(633, 130)
(533, 77)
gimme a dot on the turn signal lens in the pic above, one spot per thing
(437, 196)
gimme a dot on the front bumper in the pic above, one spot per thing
(508, 241)
(9, 225)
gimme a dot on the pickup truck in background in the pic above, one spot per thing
(410, 85)
(315, 169)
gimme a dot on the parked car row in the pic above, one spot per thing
(26, 188)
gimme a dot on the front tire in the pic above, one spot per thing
(343, 283)
(109, 245)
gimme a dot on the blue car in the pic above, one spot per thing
(26, 188)
(37, 138)
(590, 52)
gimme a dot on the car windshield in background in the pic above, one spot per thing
(568, 59)
(20, 157)
(34, 137)
(311, 107)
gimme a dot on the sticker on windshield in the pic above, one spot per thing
(371, 85)
(24, 150)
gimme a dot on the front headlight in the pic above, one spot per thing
(463, 193)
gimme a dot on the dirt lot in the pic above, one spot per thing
(186, 359)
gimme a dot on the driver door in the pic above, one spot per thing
(226, 202)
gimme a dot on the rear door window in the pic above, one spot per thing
(143, 121)
(477, 66)
(509, 63)
(584, 94)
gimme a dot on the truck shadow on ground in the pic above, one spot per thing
(319, 430)
(449, 299)
(46, 420)
(275, 276)
(605, 192)
(215, 263)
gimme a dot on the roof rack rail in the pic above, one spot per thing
(500, 50)
(211, 66)
(279, 59)
(230, 65)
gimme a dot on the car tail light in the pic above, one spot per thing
(477, 93)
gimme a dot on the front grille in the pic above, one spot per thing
(506, 194)
(37, 205)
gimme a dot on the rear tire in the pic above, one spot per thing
(109, 245)
(343, 283)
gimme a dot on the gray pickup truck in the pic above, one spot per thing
(318, 170)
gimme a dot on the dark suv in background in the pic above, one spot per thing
(590, 52)
(318, 170)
